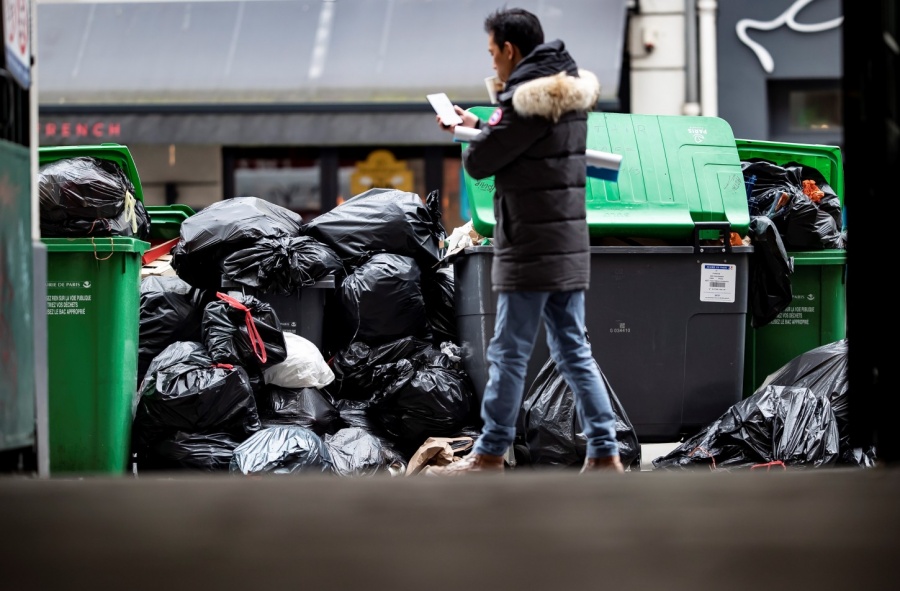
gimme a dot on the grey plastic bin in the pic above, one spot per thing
(667, 326)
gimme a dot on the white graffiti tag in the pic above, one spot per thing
(788, 18)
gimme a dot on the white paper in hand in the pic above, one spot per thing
(444, 108)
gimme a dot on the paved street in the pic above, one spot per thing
(817, 530)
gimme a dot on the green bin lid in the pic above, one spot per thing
(676, 171)
(117, 153)
(96, 244)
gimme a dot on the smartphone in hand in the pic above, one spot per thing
(444, 108)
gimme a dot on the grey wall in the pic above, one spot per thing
(796, 55)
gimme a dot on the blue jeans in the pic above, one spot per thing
(519, 314)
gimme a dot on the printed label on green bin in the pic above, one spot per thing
(795, 316)
(717, 282)
(74, 300)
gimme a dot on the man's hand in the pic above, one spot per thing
(469, 119)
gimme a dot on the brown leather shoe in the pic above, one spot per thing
(607, 464)
(469, 464)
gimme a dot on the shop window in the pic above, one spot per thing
(805, 111)
(286, 179)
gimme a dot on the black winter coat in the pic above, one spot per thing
(534, 146)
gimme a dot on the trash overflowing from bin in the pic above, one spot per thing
(798, 199)
(83, 197)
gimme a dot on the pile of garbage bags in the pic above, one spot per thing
(798, 418)
(223, 385)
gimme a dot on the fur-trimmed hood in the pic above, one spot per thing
(552, 96)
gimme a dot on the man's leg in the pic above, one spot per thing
(515, 330)
(564, 319)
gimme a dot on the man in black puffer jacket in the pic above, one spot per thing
(534, 146)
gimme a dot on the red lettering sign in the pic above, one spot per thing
(98, 129)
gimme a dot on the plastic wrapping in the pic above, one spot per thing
(784, 424)
(824, 370)
(383, 301)
(380, 220)
(185, 392)
(86, 196)
(355, 452)
(223, 228)
(304, 407)
(440, 308)
(243, 331)
(361, 414)
(770, 273)
(425, 396)
(804, 222)
(171, 310)
(303, 366)
(282, 265)
(184, 451)
(354, 366)
(282, 450)
(553, 433)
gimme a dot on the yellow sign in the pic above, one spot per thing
(381, 171)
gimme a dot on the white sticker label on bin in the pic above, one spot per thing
(717, 282)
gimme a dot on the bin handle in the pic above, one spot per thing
(259, 348)
(724, 229)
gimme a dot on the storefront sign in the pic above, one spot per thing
(51, 130)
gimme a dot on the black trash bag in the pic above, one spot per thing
(171, 310)
(209, 452)
(770, 273)
(769, 183)
(804, 225)
(380, 220)
(362, 414)
(383, 301)
(223, 228)
(784, 424)
(185, 391)
(824, 370)
(282, 265)
(553, 432)
(356, 452)
(304, 407)
(778, 193)
(244, 331)
(354, 366)
(86, 196)
(426, 396)
(440, 309)
(287, 449)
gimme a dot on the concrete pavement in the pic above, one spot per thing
(818, 530)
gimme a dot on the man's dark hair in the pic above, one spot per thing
(516, 25)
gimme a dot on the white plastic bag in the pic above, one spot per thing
(304, 366)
